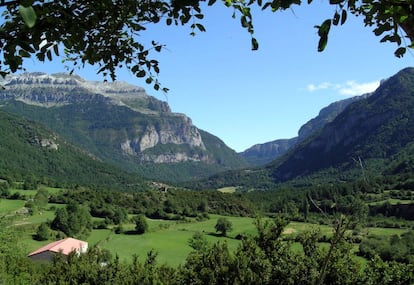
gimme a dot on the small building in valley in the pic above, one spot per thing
(64, 246)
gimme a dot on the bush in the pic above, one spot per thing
(223, 225)
(43, 232)
(141, 225)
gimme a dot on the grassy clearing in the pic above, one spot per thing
(227, 189)
(296, 228)
(168, 238)
(384, 231)
(10, 206)
(392, 202)
(31, 193)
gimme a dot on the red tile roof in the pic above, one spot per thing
(65, 246)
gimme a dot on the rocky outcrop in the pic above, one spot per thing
(376, 127)
(261, 154)
(175, 158)
(61, 89)
(118, 123)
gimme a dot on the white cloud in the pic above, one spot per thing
(320, 86)
(350, 88)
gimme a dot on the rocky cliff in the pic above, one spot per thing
(117, 122)
(261, 154)
(376, 127)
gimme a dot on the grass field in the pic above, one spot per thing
(168, 238)
(32, 193)
(10, 206)
(227, 190)
(392, 202)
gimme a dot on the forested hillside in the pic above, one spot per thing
(363, 140)
(374, 128)
(29, 152)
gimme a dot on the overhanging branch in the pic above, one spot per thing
(4, 3)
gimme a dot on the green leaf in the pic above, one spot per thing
(26, 47)
(403, 18)
(323, 41)
(40, 56)
(324, 28)
(243, 21)
(336, 19)
(141, 73)
(29, 15)
(24, 53)
(400, 52)
(200, 27)
(334, 2)
(56, 49)
(343, 16)
(49, 55)
(255, 44)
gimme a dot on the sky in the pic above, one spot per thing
(247, 97)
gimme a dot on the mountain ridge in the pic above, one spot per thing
(261, 154)
(363, 140)
(121, 125)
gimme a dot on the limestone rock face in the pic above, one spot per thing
(116, 122)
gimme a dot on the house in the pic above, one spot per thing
(64, 246)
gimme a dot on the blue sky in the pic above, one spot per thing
(247, 97)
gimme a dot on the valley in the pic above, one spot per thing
(111, 165)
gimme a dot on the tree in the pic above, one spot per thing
(105, 33)
(74, 220)
(223, 225)
(41, 199)
(141, 225)
(43, 232)
(198, 242)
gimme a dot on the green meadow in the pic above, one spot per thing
(168, 238)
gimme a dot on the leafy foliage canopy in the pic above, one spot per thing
(106, 33)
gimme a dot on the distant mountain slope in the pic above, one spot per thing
(120, 124)
(374, 135)
(376, 127)
(29, 150)
(262, 154)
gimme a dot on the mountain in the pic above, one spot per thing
(372, 136)
(120, 124)
(376, 127)
(28, 151)
(261, 154)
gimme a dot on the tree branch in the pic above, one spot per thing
(4, 3)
